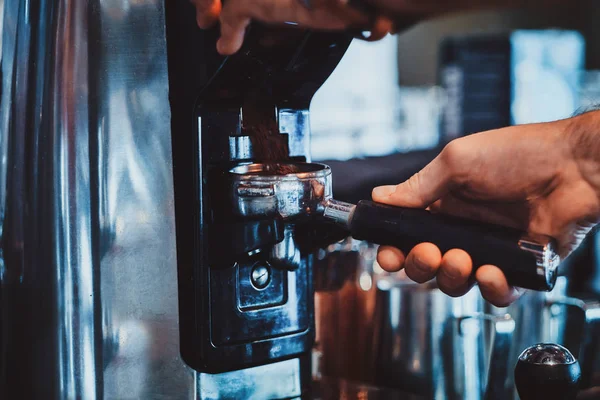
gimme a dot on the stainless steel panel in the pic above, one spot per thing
(89, 240)
(284, 383)
(137, 260)
(89, 296)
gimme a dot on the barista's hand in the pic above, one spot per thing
(235, 16)
(543, 178)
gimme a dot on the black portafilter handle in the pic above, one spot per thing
(547, 371)
(528, 262)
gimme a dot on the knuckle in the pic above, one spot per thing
(414, 182)
(454, 156)
(414, 185)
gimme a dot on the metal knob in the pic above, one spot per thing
(547, 371)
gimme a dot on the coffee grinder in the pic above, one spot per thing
(245, 285)
(240, 131)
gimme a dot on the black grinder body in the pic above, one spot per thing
(227, 322)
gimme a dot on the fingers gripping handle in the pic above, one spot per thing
(526, 262)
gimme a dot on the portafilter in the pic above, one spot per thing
(297, 192)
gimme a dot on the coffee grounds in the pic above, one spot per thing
(283, 169)
(276, 169)
(268, 144)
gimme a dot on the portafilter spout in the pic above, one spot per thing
(301, 191)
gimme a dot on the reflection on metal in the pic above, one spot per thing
(555, 317)
(257, 192)
(339, 212)
(240, 148)
(284, 382)
(406, 336)
(298, 123)
(286, 254)
(89, 295)
(492, 383)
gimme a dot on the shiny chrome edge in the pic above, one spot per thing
(339, 212)
(544, 251)
(525, 355)
(50, 282)
(285, 382)
(308, 171)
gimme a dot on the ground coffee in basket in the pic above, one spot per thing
(268, 144)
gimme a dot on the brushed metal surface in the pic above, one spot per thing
(89, 298)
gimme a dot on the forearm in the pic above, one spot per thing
(437, 7)
(583, 135)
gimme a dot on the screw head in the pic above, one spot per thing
(260, 276)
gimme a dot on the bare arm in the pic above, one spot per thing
(235, 15)
(550, 186)
(436, 7)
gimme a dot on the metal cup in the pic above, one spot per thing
(435, 345)
(386, 331)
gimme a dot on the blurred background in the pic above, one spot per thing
(387, 111)
(392, 105)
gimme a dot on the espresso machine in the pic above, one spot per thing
(124, 273)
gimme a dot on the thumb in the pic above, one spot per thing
(420, 191)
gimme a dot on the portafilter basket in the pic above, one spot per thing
(285, 190)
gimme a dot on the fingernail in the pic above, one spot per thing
(384, 191)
